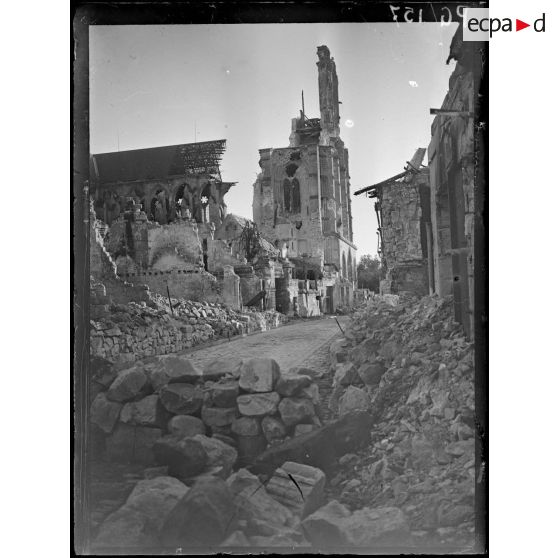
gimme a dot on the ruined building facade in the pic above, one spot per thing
(426, 213)
(302, 196)
(455, 182)
(157, 210)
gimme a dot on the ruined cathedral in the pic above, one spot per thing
(302, 196)
(159, 215)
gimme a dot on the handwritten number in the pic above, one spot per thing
(444, 20)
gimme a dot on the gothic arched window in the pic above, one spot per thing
(296, 196)
(287, 194)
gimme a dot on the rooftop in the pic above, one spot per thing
(158, 162)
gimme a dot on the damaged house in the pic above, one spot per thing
(403, 211)
(426, 213)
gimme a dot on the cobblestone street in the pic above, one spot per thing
(292, 345)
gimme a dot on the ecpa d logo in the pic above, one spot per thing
(479, 26)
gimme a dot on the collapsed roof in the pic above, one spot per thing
(158, 162)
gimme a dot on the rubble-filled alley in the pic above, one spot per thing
(245, 387)
(370, 443)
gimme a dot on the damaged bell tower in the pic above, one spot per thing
(302, 196)
(329, 97)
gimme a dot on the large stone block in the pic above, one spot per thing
(345, 374)
(273, 429)
(319, 448)
(165, 369)
(298, 487)
(258, 404)
(185, 457)
(156, 497)
(219, 454)
(247, 426)
(250, 447)
(220, 367)
(218, 417)
(264, 514)
(126, 528)
(334, 525)
(326, 526)
(128, 385)
(289, 385)
(295, 410)
(104, 413)
(364, 351)
(153, 499)
(354, 399)
(338, 351)
(224, 394)
(373, 527)
(259, 375)
(181, 398)
(102, 371)
(311, 392)
(186, 426)
(205, 516)
(371, 372)
(145, 412)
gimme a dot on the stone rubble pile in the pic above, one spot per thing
(126, 332)
(163, 409)
(404, 366)
(193, 429)
(410, 365)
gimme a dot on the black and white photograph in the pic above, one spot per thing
(279, 247)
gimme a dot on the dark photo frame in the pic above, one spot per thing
(452, 240)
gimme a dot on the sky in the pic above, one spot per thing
(155, 85)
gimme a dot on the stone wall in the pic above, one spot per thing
(103, 271)
(195, 285)
(179, 238)
(247, 405)
(127, 332)
(154, 246)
